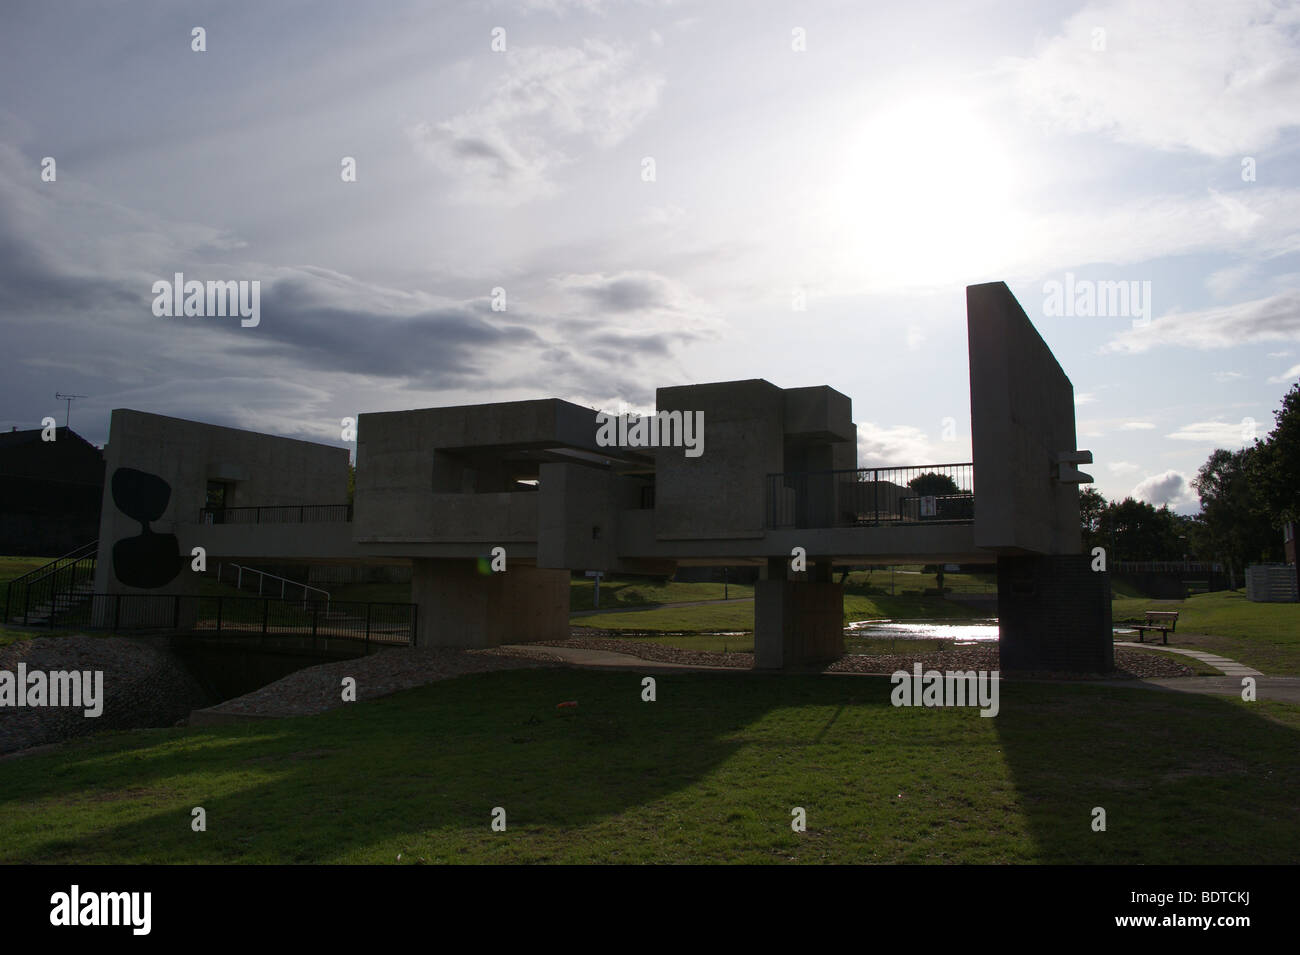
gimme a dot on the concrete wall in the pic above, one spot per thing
(1022, 412)
(459, 606)
(578, 526)
(722, 493)
(1054, 614)
(797, 623)
(419, 472)
(266, 469)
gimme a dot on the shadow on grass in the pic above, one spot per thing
(709, 772)
(1182, 777)
(437, 759)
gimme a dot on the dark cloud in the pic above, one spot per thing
(629, 293)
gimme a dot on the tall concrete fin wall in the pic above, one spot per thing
(1053, 609)
(1022, 412)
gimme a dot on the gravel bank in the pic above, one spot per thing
(319, 688)
(1132, 664)
(144, 685)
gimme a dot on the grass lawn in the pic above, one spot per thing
(1265, 636)
(614, 592)
(708, 773)
(740, 615)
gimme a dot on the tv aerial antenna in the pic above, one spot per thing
(60, 396)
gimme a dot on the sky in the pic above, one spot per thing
(590, 199)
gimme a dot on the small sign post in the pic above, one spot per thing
(595, 600)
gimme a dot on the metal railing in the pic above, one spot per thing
(872, 497)
(277, 514)
(51, 587)
(285, 582)
(369, 622)
(1166, 566)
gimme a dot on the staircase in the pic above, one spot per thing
(267, 584)
(40, 596)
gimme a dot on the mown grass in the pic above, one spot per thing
(740, 615)
(708, 773)
(1265, 636)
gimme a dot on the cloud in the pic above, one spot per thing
(1170, 488)
(1225, 376)
(1276, 318)
(1217, 77)
(1223, 281)
(1136, 426)
(1291, 374)
(508, 148)
(1225, 434)
(79, 305)
(897, 446)
(1084, 397)
(627, 291)
(1122, 467)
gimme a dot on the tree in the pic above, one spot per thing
(1137, 530)
(1237, 524)
(931, 483)
(1092, 505)
(1276, 464)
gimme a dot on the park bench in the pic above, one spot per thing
(1159, 621)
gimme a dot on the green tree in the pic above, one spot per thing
(1092, 504)
(933, 483)
(1238, 528)
(1137, 530)
(1276, 464)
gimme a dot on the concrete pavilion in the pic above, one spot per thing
(439, 488)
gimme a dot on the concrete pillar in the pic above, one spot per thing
(1054, 614)
(461, 607)
(797, 622)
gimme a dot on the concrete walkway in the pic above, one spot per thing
(1223, 664)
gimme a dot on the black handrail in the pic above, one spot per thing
(277, 514)
(377, 623)
(51, 581)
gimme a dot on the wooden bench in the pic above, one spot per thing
(1159, 621)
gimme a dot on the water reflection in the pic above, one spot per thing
(969, 632)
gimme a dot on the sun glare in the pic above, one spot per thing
(925, 193)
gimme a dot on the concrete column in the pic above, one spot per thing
(797, 622)
(1054, 614)
(461, 607)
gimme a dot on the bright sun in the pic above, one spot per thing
(925, 193)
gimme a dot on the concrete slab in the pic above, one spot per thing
(1229, 667)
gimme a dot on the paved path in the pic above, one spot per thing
(1285, 689)
(1228, 667)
